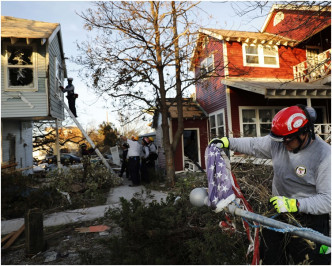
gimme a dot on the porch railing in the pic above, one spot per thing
(309, 70)
(324, 131)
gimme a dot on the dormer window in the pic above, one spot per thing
(20, 68)
(260, 55)
(207, 65)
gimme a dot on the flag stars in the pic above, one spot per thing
(215, 200)
(224, 188)
(219, 187)
(220, 164)
(211, 167)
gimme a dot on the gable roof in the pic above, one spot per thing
(276, 7)
(24, 28)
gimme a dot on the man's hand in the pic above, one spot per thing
(283, 204)
(220, 143)
(61, 88)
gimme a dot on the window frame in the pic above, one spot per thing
(59, 76)
(261, 56)
(257, 123)
(33, 67)
(204, 64)
(217, 126)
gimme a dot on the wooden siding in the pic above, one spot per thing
(22, 133)
(200, 124)
(210, 93)
(289, 26)
(12, 105)
(288, 57)
(56, 108)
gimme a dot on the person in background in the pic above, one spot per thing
(301, 183)
(124, 165)
(151, 165)
(71, 96)
(86, 154)
(144, 160)
(134, 151)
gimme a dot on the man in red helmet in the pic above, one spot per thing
(301, 182)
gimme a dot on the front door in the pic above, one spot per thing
(190, 145)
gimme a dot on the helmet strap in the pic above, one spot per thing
(301, 143)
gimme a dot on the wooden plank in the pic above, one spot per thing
(34, 236)
(14, 237)
(7, 237)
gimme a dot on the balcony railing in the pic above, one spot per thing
(324, 131)
(312, 70)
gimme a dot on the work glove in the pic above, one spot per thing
(220, 143)
(283, 204)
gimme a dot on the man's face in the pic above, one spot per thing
(294, 143)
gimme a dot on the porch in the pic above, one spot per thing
(314, 69)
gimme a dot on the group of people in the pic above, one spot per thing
(138, 160)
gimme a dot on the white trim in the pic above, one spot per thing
(229, 112)
(225, 55)
(260, 55)
(215, 114)
(204, 64)
(256, 122)
(34, 68)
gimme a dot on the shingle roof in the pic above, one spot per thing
(191, 109)
(25, 28)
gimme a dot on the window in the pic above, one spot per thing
(260, 55)
(58, 76)
(278, 18)
(217, 125)
(256, 122)
(207, 65)
(20, 67)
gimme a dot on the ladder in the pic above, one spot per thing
(88, 138)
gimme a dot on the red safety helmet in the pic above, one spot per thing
(291, 122)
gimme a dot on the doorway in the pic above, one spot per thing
(190, 146)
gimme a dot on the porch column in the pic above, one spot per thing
(309, 101)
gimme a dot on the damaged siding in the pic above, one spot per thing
(25, 103)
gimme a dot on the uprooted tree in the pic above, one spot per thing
(140, 58)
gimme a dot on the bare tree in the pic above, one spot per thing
(140, 58)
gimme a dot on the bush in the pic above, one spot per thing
(172, 232)
(19, 193)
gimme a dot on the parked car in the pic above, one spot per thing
(65, 159)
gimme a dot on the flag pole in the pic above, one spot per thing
(308, 234)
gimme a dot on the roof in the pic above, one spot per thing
(293, 7)
(191, 109)
(24, 28)
(247, 36)
(280, 88)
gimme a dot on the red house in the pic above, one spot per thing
(250, 76)
(191, 147)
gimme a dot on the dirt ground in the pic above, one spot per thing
(65, 246)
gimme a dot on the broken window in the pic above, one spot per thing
(20, 66)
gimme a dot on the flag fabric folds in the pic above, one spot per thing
(219, 177)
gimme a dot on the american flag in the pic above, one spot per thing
(220, 179)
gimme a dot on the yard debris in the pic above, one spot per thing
(11, 239)
(92, 229)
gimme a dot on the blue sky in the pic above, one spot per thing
(91, 110)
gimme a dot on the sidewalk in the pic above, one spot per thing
(85, 214)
